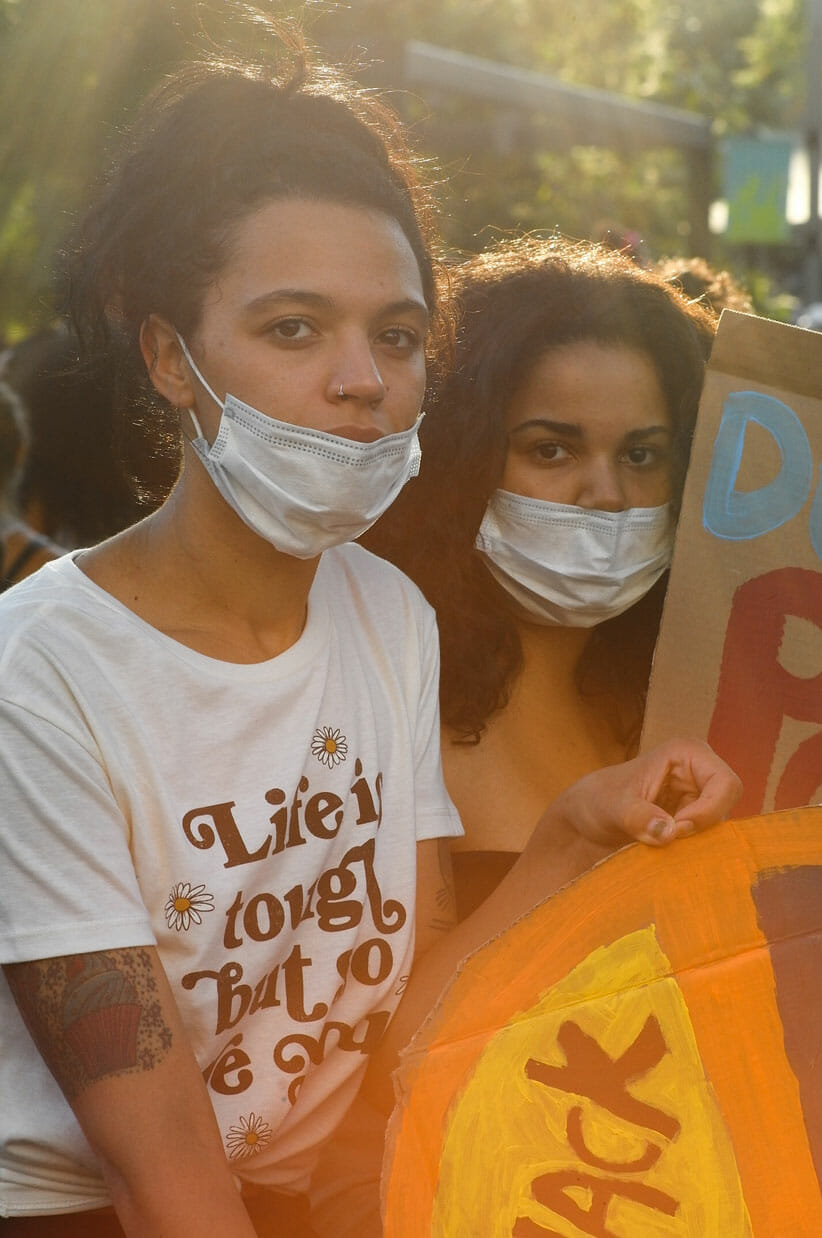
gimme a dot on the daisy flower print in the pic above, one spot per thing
(185, 905)
(250, 1135)
(329, 746)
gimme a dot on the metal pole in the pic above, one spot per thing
(813, 261)
(700, 164)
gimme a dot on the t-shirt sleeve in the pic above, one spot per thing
(436, 815)
(68, 882)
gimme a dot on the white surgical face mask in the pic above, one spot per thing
(569, 565)
(300, 489)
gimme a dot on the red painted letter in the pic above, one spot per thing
(755, 692)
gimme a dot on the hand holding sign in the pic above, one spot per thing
(677, 788)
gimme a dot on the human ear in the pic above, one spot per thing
(165, 362)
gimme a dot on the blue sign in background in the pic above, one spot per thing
(755, 185)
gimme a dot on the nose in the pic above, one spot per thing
(356, 376)
(601, 488)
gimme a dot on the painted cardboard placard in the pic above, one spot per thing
(640, 1054)
(739, 656)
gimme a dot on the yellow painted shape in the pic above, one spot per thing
(505, 1129)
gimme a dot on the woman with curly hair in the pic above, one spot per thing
(541, 524)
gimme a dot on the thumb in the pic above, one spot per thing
(648, 823)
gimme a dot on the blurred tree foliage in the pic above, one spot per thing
(739, 62)
(71, 72)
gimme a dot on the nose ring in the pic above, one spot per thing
(340, 392)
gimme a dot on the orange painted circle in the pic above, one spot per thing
(637, 1055)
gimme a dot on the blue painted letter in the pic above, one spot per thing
(743, 515)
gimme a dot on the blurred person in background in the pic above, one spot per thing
(87, 473)
(22, 549)
(713, 287)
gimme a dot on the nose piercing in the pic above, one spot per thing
(340, 392)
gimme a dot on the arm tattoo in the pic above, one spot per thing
(92, 1016)
(446, 898)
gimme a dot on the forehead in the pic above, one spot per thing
(597, 387)
(344, 252)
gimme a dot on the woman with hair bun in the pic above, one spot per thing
(225, 839)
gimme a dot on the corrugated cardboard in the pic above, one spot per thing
(739, 656)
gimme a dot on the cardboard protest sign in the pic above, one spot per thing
(739, 656)
(637, 1055)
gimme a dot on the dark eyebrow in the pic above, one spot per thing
(408, 305)
(644, 431)
(289, 294)
(569, 429)
(318, 300)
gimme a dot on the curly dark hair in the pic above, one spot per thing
(713, 287)
(518, 300)
(213, 143)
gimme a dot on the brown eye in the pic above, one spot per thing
(639, 455)
(645, 455)
(549, 452)
(400, 338)
(291, 329)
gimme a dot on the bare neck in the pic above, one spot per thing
(551, 654)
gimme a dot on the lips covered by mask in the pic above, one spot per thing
(301, 489)
(569, 565)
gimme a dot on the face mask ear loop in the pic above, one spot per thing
(198, 429)
(193, 365)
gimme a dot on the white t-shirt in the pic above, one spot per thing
(257, 823)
